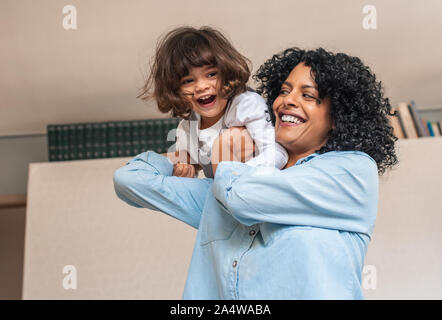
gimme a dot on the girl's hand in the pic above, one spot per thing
(184, 170)
(234, 144)
(177, 157)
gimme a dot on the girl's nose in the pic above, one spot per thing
(201, 85)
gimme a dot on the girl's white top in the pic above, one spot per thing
(248, 110)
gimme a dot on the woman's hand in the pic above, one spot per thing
(234, 144)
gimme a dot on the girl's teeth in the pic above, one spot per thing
(206, 99)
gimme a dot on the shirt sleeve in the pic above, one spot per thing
(250, 110)
(146, 181)
(336, 191)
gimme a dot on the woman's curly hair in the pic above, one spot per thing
(358, 107)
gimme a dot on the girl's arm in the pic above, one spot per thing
(146, 181)
(249, 110)
(336, 190)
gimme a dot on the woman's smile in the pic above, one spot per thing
(303, 121)
(290, 119)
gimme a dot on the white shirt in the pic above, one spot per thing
(248, 110)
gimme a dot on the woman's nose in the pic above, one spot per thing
(291, 100)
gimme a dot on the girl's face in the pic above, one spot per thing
(302, 120)
(201, 87)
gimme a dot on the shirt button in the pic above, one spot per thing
(252, 232)
(234, 264)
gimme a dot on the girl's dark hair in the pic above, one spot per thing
(187, 47)
(358, 107)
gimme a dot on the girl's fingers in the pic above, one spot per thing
(184, 170)
(177, 170)
(188, 171)
(191, 171)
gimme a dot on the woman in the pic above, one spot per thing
(297, 233)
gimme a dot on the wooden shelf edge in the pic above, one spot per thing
(12, 201)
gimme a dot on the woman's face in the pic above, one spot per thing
(302, 120)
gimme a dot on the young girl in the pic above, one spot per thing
(198, 75)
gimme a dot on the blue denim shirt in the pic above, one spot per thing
(264, 233)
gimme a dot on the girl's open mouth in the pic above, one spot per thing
(207, 101)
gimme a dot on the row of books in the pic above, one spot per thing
(109, 139)
(410, 124)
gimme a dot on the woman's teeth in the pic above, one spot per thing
(289, 118)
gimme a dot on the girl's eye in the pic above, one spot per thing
(186, 81)
(212, 74)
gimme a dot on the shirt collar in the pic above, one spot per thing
(307, 158)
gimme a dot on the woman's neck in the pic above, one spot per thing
(295, 156)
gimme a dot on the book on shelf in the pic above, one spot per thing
(111, 140)
(88, 134)
(73, 143)
(407, 120)
(103, 140)
(119, 138)
(64, 147)
(417, 120)
(435, 127)
(135, 137)
(424, 124)
(52, 143)
(81, 154)
(430, 128)
(127, 142)
(396, 124)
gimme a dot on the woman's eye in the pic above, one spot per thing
(308, 96)
(283, 92)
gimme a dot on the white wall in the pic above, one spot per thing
(52, 75)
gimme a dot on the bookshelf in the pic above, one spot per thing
(109, 139)
(414, 121)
